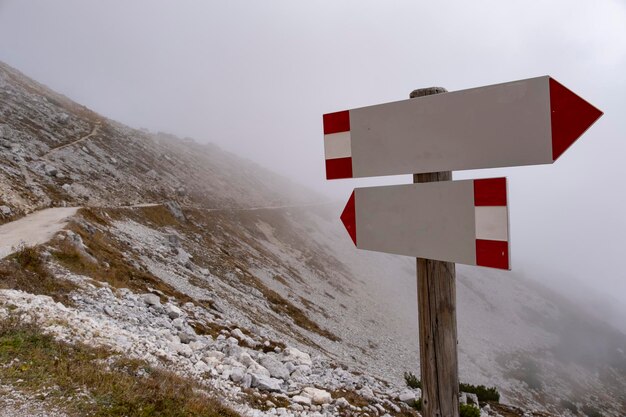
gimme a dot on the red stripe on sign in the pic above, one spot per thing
(490, 192)
(492, 253)
(348, 218)
(570, 115)
(337, 122)
(338, 168)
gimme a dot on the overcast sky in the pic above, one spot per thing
(256, 76)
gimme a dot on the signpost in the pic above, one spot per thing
(456, 221)
(524, 122)
(519, 123)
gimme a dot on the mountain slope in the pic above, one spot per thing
(257, 253)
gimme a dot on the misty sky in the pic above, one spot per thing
(256, 76)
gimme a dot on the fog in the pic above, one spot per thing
(255, 77)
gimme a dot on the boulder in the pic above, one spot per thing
(342, 402)
(215, 354)
(265, 383)
(409, 396)
(237, 374)
(275, 367)
(5, 211)
(151, 299)
(255, 368)
(172, 311)
(296, 356)
(178, 323)
(472, 399)
(186, 337)
(317, 396)
(50, 170)
(238, 334)
(300, 399)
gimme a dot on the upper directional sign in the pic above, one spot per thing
(524, 122)
(457, 221)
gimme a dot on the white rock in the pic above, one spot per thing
(109, 311)
(275, 367)
(237, 374)
(472, 398)
(255, 368)
(179, 323)
(296, 356)
(317, 396)
(215, 354)
(238, 334)
(202, 367)
(342, 402)
(246, 382)
(50, 170)
(265, 383)
(172, 311)
(366, 392)
(184, 350)
(151, 299)
(408, 396)
(300, 399)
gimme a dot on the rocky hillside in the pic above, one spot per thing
(192, 259)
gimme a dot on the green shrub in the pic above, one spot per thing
(482, 392)
(412, 381)
(417, 404)
(467, 410)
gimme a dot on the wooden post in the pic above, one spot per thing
(436, 303)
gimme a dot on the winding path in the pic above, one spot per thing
(84, 138)
(34, 229)
(40, 226)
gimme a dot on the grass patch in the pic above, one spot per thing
(111, 265)
(34, 362)
(357, 400)
(26, 270)
(352, 397)
(282, 306)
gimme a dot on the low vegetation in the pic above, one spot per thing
(482, 392)
(26, 270)
(91, 381)
(111, 266)
(468, 410)
(412, 381)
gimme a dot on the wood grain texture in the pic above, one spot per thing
(436, 301)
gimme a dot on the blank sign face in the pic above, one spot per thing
(523, 122)
(456, 221)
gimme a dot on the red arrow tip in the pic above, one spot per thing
(571, 116)
(348, 218)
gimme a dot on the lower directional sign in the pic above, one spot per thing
(455, 221)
